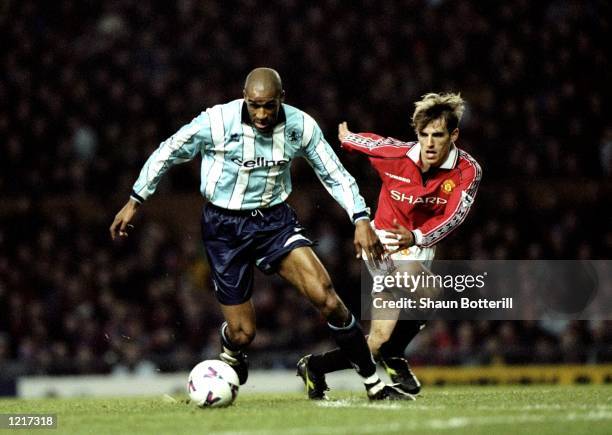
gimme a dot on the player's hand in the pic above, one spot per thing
(120, 226)
(367, 241)
(343, 131)
(404, 238)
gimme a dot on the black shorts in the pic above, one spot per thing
(235, 241)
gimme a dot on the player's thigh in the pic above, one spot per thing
(240, 318)
(411, 267)
(303, 269)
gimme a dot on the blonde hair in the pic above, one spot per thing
(433, 106)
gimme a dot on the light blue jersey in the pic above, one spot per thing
(243, 169)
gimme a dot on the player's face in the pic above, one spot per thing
(263, 107)
(435, 142)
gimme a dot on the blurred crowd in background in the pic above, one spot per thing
(89, 89)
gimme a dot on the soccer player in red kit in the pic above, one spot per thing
(427, 190)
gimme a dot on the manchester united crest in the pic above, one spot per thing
(448, 186)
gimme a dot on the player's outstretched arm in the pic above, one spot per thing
(371, 144)
(121, 224)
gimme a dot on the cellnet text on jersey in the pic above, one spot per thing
(259, 162)
(411, 199)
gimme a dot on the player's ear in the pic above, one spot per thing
(282, 96)
(244, 94)
(455, 135)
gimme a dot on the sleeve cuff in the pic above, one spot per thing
(345, 143)
(418, 237)
(139, 199)
(361, 219)
(361, 215)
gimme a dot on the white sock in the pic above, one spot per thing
(373, 383)
(230, 352)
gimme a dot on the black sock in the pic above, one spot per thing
(402, 335)
(353, 344)
(225, 341)
(335, 360)
(330, 361)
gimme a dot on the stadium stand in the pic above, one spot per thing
(90, 89)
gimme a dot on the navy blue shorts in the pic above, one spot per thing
(235, 241)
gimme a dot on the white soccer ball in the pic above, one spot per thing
(212, 383)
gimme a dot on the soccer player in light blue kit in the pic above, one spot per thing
(247, 146)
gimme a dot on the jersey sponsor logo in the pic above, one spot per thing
(397, 177)
(411, 199)
(448, 186)
(259, 162)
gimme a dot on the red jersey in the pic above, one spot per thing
(430, 204)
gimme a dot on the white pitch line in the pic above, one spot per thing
(349, 404)
(436, 423)
(392, 406)
(544, 407)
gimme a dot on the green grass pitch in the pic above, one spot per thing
(464, 410)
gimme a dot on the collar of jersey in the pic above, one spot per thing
(246, 120)
(414, 154)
